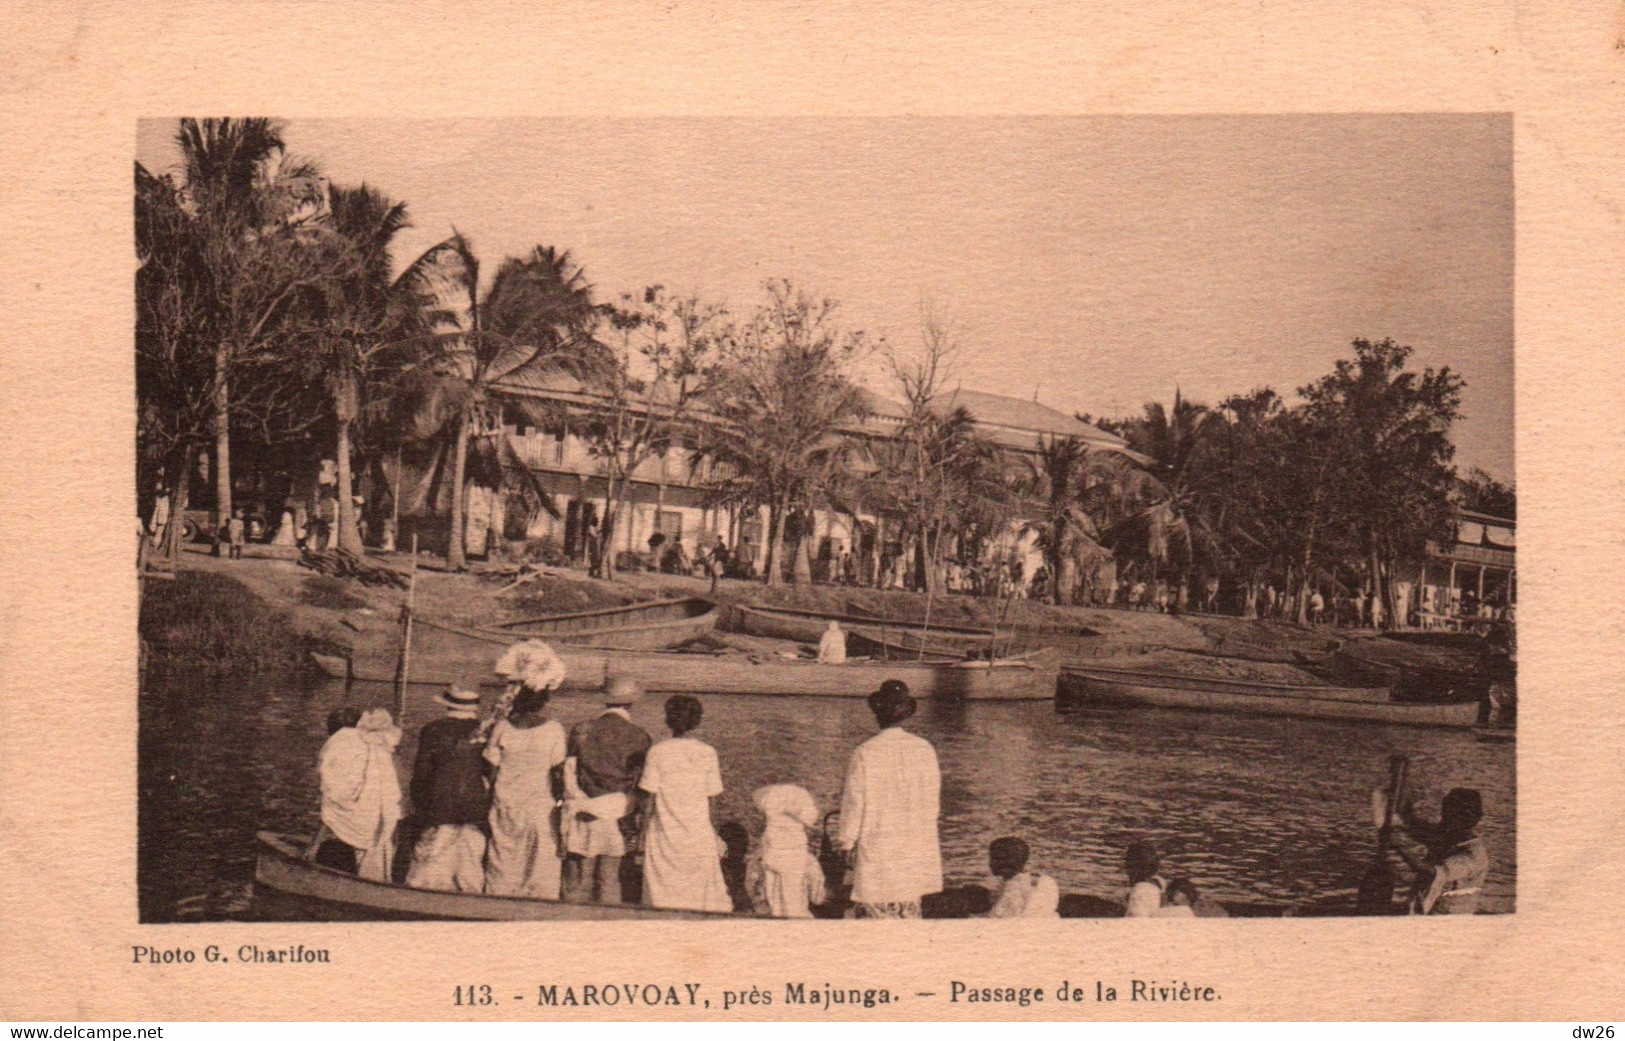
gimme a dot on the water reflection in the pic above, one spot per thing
(1250, 807)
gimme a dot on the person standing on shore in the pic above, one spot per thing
(889, 810)
(682, 868)
(450, 798)
(608, 753)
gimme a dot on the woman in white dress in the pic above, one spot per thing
(682, 865)
(523, 856)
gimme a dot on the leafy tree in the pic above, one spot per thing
(660, 358)
(782, 395)
(1387, 429)
(1481, 493)
(248, 202)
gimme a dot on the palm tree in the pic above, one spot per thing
(359, 321)
(538, 312)
(241, 189)
(1074, 488)
(1167, 525)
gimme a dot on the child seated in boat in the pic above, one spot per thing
(1019, 893)
(783, 876)
(734, 848)
(1142, 862)
(1178, 900)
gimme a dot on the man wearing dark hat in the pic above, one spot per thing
(889, 811)
(450, 798)
(608, 753)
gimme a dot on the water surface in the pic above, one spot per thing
(1250, 807)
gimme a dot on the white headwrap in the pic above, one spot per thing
(532, 663)
(790, 810)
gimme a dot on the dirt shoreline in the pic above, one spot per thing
(335, 614)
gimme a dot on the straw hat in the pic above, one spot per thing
(622, 690)
(461, 699)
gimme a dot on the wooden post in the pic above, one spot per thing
(403, 673)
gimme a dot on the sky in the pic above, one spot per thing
(1097, 262)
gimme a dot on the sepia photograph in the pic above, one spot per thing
(560, 519)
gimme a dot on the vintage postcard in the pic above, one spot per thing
(780, 538)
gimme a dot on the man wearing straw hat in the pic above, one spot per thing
(450, 797)
(606, 756)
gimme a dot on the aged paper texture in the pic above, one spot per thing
(1088, 155)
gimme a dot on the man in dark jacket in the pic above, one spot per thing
(608, 752)
(450, 798)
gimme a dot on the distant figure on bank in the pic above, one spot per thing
(1141, 863)
(1020, 893)
(784, 877)
(682, 868)
(1317, 608)
(889, 811)
(449, 797)
(523, 858)
(1450, 880)
(608, 753)
(832, 645)
(236, 534)
(160, 516)
(286, 531)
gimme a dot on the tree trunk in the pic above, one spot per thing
(878, 566)
(775, 542)
(603, 566)
(1381, 589)
(178, 504)
(344, 410)
(222, 442)
(455, 558)
(801, 568)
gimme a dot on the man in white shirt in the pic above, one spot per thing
(889, 811)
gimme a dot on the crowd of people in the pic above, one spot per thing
(513, 805)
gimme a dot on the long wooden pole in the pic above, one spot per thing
(403, 674)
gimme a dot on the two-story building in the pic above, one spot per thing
(673, 493)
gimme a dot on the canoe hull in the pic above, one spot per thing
(1085, 687)
(281, 867)
(651, 626)
(442, 654)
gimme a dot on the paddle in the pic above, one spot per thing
(403, 666)
(1376, 893)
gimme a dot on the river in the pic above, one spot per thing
(1251, 808)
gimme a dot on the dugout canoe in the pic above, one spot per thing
(281, 866)
(650, 626)
(442, 653)
(866, 635)
(1081, 685)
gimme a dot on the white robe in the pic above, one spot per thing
(785, 879)
(889, 812)
(1028, 894)
(682, 867)
(523, 856)
(832, 647)
(361, 796)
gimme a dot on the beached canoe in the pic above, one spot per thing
(652, 626)
(1081, 685)
(865, 635)
(442, 653)
(281, 866)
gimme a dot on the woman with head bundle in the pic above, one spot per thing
(523, 857)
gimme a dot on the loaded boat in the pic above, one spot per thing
(442, 653)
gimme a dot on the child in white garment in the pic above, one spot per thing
(783, 876)
(1021, 893)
